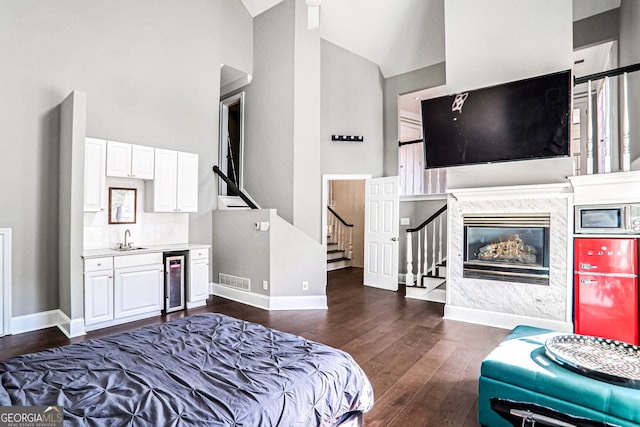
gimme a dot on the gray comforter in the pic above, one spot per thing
(207, 369)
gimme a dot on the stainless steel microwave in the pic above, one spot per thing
(608, 219)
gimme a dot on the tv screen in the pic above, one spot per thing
(521, 120)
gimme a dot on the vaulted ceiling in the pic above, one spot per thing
(398, 35)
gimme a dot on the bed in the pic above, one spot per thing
(208, 369)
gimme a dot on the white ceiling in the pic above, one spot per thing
(399, 36)
(405, 35)
(586, 8)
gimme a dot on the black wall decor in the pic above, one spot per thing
(347, 138)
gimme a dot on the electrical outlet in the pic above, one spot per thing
(305, 286)
(265, 285)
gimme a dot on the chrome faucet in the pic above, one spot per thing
(125, 244)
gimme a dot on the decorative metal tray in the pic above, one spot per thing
(607, 360)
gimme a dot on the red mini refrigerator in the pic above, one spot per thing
(606, 288)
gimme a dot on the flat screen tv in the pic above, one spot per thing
(521, 120)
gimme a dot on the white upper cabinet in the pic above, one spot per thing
(175, 187)
(94, 174)
(187, 197)
(165, 184)
(129, 160)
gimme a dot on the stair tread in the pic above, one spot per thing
(338, 259)
(333, 251)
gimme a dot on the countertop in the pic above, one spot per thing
(97, 253)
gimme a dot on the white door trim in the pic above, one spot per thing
(325, 196)
(5, 281)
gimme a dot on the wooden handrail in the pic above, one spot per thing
(427, 221)
(338, 216)
(234, 188)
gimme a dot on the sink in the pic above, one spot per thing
(129, 249)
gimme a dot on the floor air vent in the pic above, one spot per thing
(234, 282)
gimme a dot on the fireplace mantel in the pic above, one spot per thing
(562, 189)
(617, 187)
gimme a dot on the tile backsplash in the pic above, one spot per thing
(150, 229)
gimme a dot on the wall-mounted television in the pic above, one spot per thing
(521, 120)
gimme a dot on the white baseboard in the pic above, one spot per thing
(313, 302)
(47, 319)
(196, 304)
(265, 302)
(502, 320)
(71, 328)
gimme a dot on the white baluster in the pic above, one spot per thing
(626, 150)
(433, 250)
(350, 242)
(425, 265)
(419, 262)
(589, 129)
(607, 127)
(409, 277)
(440, 217)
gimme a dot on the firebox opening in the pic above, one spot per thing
(513, 248)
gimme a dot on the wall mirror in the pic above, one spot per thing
(122, 205)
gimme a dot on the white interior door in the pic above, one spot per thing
(381, 233)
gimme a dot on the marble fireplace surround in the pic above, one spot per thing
(507, 304)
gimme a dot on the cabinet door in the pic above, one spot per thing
(187, 195)
(137, 290)
(98, 296)
(199, 280)
(94, 174)
(165, 181)
(118, 159)
(142, 162)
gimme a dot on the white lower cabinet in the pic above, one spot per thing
(98, 297)
(198, 277)
(137, 290)
(122, 288)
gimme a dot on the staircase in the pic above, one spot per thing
(429, 282)
(339, 241)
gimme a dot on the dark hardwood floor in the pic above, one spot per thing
(424, 369)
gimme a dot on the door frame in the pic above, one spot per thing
(238, 98)
(325, 196)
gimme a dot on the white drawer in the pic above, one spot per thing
(97, 264)
(138, 259)
(199, 253)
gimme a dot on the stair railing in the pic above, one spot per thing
(426, 253)
(599, 149)
(340, 232)
(234, 188)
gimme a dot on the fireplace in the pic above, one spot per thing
(507, 247)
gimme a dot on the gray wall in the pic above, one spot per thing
(269, 112)
(150, 69)
(352, 104)
(284, 256)
(239, 249)
(629, 55)
(596, 29)
(423, 78)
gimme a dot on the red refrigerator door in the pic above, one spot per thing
(607, 306)
(595, 255)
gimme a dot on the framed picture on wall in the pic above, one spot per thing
(122, 205)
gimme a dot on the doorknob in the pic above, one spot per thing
(394, 239)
